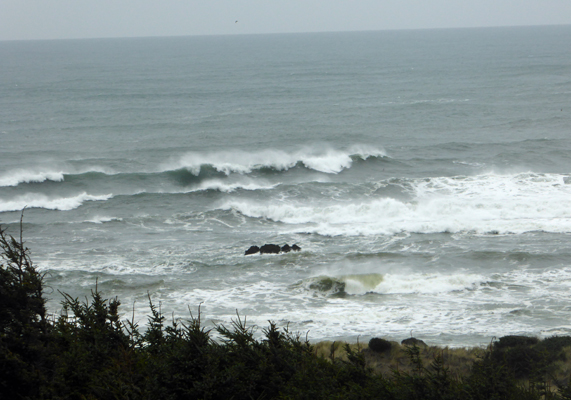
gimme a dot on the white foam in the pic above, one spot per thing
(427, 283)
(514, 203)
(102, 219)
(15, 177)
(35, 200)
(323, 160)
(216, 184)
(411, 283)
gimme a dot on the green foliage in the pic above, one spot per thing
(515, 341)
(23, 324)
(528, 358)
(93, 350)
(433, 382)
(490, 380)
(554, 346)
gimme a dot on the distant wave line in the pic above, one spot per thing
(326, 161)
(187, 174)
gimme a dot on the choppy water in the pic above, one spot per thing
(425, 174)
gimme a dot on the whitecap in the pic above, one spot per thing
(35, 200)
(102, 219)
(15, 177)
(221, 186)
(324, 160)
(487, 203)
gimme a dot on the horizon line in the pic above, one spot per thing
(284, 33)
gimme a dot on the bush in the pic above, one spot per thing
(379, 345)
(554, 344)
(23, 325)
(513, 341)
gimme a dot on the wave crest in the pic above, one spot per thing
(34, 200)
(327, 161)
(15, 177)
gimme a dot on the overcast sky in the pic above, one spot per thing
(64, 19)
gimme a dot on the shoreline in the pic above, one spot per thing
(90, 352)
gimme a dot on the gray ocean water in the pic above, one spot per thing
(426, 175)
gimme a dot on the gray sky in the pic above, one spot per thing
(63, 19)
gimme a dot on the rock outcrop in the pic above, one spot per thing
(252, 250)
(272, 249)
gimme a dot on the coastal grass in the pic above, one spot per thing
(457, 360)
(89, 353)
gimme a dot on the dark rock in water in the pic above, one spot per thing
(270, 248)
(252, 250)
(413, 342)
(379, 345)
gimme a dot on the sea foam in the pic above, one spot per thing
(484, 204)
(102, 219)
(427, 283)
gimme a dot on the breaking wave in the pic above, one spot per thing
(201, 171)
(345, 284)
(481, 204)
(358, 284)
(327, 161)
(34, 200)
(15, 177)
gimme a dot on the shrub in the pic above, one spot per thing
(412, 342)
(23, 325)
(513, 341)
(379, 345)
(554, 344)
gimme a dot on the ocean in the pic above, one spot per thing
(426, 176)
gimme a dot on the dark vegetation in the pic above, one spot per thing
(89, 353)
(379, 345)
